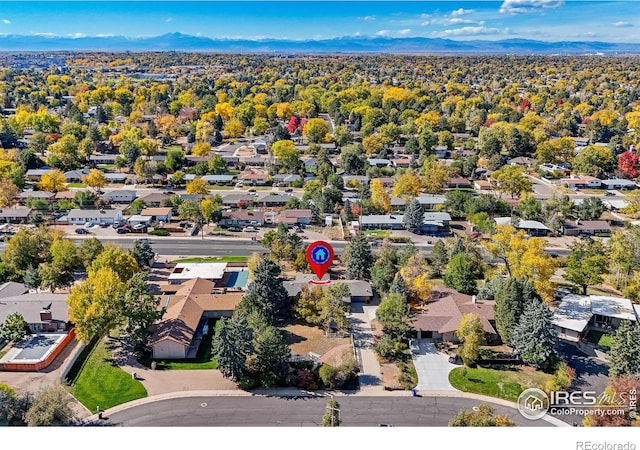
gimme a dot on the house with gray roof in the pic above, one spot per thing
(359, 290)
(15, 215)
(95, 216)
(42, 311)
(531, 227)
(120, 196)
(618, 184)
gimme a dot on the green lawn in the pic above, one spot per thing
(101, 383)
(600, 338)
(378, 233)
(506, 383)
(212, 259)
(107, 167)
(76, 185)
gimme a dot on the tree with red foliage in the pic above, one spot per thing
(293, 124)
(621, 391)
(628, 164)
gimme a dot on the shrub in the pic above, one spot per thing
(159, 232)
(327, 373)
(247, 382)
(385, 347)
(305, 378)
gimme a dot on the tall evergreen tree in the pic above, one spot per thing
(413, 216)
(439, 256)
(508, 307)
(534, 339)
(31, 278)
(625, 350)
(399, 286)
(231, 360)
(271, 355)
(359, 258)
(142, 252)
(267, 291)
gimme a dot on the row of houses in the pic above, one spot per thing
(589, 182)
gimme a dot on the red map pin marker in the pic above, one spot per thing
(320, 258)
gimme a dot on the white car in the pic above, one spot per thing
(249, 230)
(88, 224)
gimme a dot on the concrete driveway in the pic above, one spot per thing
(432, 366)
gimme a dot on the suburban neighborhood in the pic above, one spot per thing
(157, 226)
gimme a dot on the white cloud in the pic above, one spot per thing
(459, 21)
(6, 21)
(622, 24)
(425, 23)
(367, 18)
(383, 33)
(468, 31)
(461, 12)
(425, 16)
(168, 19)
(528, 6)
(76, 35)
(45, 34)
(103, 35)
(404, 32)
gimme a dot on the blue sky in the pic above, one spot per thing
(547, 20)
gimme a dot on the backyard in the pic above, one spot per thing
(600, 339)
(505, 382)
(303, 339)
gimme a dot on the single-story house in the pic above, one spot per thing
(75, 176)
(183, 272)
(382, 222)
(241, 218)
(441, 217)
(402, 163)
(581, 141)
(363, 180)
(43, 312)
(46, 196)
(253, 177)
(103, 159)
(14, 215)
(482, 185)
(586, 182)
(379, 162)
(430, 202)
(116, 177)
(238, 200)
(81, 216)
(219, 179)
(441, 316)
(440, 151)
(158, 214)
(531, 227)
(36, 174)
(120, 196)
(295, 216)
(139, 219)
(65, 195)
(615, 205)
(453, 183)
(285, 179)
(155, 199)
(177, 335)
(619, 184)
(591, 227)
(273, 200)
(577, 314)
(523, 161)
(360, 291)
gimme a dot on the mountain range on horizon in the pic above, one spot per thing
(346, 44)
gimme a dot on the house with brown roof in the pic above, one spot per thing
(482, 185)
(295, 217)
(14, 215)
(587, 227)
(453, 183)
(253, 177)
(156, 199)
(177, 335)
(442, 315)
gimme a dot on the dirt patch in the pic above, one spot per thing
(303, 339)
(338, 356)
(390, 376)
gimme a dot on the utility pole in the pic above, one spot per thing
(334, 412)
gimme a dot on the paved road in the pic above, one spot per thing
(258, 411)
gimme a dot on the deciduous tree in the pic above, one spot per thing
(14, 328)
(586, 264)
(471, 334)
(53, 181)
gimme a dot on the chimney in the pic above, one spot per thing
(473, 299)
(45, 315)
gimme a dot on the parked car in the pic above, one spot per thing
(103, 224)
(249, 230)
(608, 194)
(122, 230)
(252, 190)
(288, 190)
(453, 358)
(82, 231)
(139, 226)
(117, 225)
(88, 224)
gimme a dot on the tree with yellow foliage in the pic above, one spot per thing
(379, 196)
(373, 144)
(434, 175)
(316, 130)
(416, 276)
(524, 257)
(234, 128)
(53, 181)
(201, 149)
(8, 191)
(95, 180)
(408, 185)
(197, 186)
(224, 110)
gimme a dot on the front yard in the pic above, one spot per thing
(100, 382)
(505, 382)
(303, 339)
